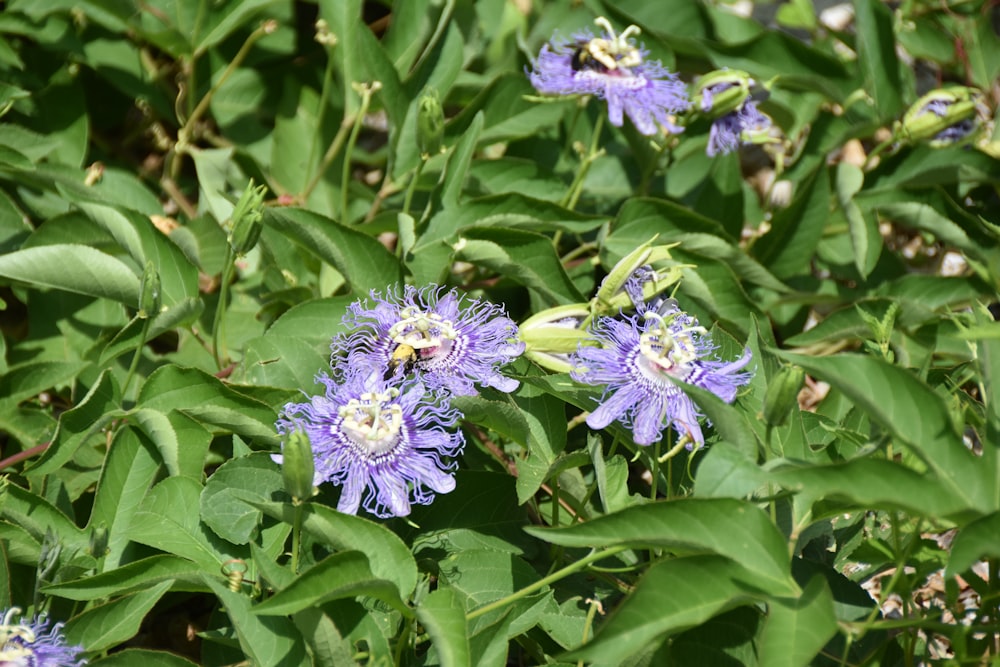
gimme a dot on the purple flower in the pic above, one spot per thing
(35, 644)
(438, 337)
(642, 359)
(392, 446)
(736, 126)
(613, 68)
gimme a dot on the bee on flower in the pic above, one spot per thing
(612, 67)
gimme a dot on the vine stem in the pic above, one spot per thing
(227, 276)
(138, 353)
(365, 90)
(592, 557)
(576, 188)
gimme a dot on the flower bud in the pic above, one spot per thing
(612, 295)
(941, 117)
(149, 292)
(722, 92)
(782, 395)
(99, 540)
(553, 334)
(246, 222)
(297, 466)
(430, 123)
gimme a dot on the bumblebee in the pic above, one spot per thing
(404, 356)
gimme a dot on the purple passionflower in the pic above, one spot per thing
(439, 337)
(642, 359)
(34, 644)
(737, 125)
(613, 68)
(387, 448)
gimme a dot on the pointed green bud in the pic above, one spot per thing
(99, 540)
(782, 395)
(149, 292)
(611, 296)
(553, 334)
(941, 117)
(430, 123)
(722, 92)
(298, 467)
(247, 221)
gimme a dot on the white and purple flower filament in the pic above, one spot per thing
(642, 359)
(613, 68)
(35, 644)
(384, 429)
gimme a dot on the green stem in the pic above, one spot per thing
(328, 158)
(876, 152)
(296, 537)
(365, 90)
(592, 557)
(412, 187)
(227, 276)
(138, 354)
(655, 471)
(324, 98)
(576, 188)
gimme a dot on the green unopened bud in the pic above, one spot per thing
(247, 220)
(149, 292)
(430, 123)
(941, 117)
(298, 467)
(722, 92)
(611, 296)
(99, 540)
(782, 395)
(552, 335)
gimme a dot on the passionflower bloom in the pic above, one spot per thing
(386, 447)
(613, 68)
(725, 95)
(35, 644)
(642, 359)
(441, 338)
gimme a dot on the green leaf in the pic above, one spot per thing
(525, 257)
(266, 640)
(728, 527)
(975, 541)
(205, 398)
(877, 58)
(76, 426)
(133, 577)
(443, 616)
(129, 469)
(342, 575)
(38, 517)
(672, 595)
(912, 412)
(796, 230)
(223, 501)
(74, 268)
(797, 628)
(388, 556)
(139, 656)
(168, 520)
(865, 239)
(458, 163)
(27, 380)
(364, 262)
(110, 624)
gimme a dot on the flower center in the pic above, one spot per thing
(371, 423)
(614, 51)
(668, 350)
(424, 332)
(14, 651)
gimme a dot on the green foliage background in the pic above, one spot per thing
(139, 501)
